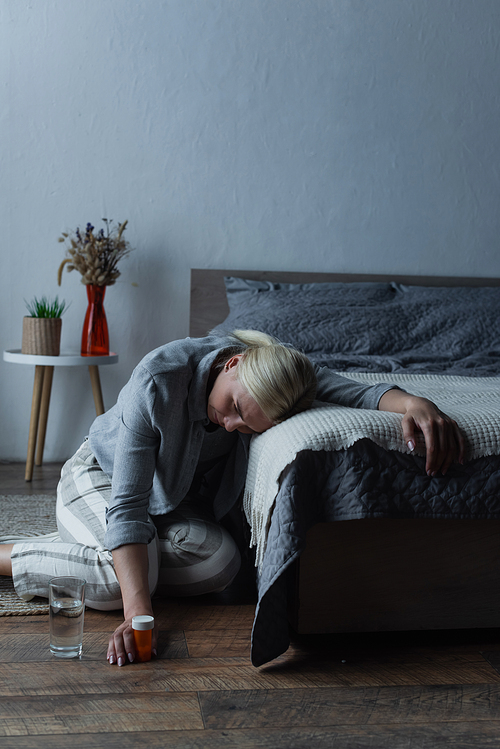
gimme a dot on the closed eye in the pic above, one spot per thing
(238, 410)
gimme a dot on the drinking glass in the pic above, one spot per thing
(67, 607)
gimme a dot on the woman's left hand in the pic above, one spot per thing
(444, 441)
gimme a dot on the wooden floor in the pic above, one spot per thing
(412, 690)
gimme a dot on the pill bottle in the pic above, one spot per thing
(142, 627)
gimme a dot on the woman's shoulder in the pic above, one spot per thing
(181, 355)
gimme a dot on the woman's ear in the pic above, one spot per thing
(232, 362)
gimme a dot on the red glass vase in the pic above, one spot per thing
(95, 336)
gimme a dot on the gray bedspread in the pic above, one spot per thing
(376, 327)
(367, 327)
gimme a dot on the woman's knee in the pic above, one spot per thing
(197, 557)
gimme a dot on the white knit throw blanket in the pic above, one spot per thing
(474, 403)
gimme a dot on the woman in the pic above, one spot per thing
(139, 504)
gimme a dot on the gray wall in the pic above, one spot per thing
(339, 135)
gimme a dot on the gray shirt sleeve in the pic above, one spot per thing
(334, 388)
(127, 519)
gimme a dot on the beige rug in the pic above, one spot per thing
(25, 515)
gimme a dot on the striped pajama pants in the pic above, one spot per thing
(190, 554)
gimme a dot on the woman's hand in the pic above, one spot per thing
(131, 565)
(121, 647)
(444, 441)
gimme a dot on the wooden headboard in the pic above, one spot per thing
(209, 306)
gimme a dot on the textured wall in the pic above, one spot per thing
(336, 135)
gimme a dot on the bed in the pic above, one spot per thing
(353, 536)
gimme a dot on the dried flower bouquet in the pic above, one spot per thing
(95, 256)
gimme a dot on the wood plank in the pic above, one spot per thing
(17, 648)
(95, 621)
(218, 642)
(206, 674)
(195, 614)
(38, 624)
(493, 658)
(80, 677)
(444, 736)
(171, 644)
(44, 480)
(38, 716)
(327, 707)
(27, 648)
(171, 615)
(102, 621)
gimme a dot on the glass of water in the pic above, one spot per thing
(67, 607)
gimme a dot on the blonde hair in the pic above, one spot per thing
(280, 379)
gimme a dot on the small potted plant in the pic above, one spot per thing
(42, 327)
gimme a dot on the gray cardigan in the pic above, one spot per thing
(150, 441)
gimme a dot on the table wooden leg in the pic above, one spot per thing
(44, 413)
(96, 389)
(35, 414)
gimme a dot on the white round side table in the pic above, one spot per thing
(44, 370)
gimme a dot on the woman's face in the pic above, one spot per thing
(231, 406)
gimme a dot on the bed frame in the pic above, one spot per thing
(379, 575)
